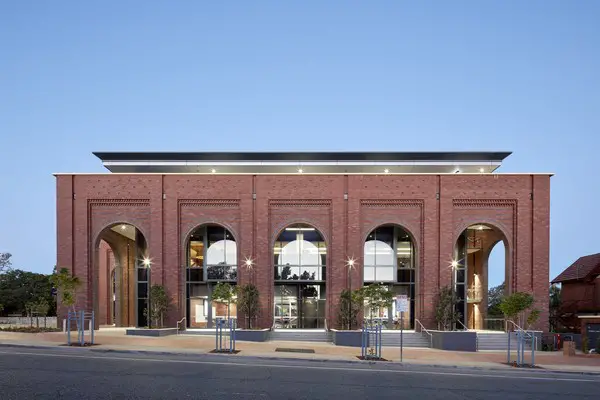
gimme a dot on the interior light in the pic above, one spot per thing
(480, 227)
(387, 171)
(213, 170)
(454, 264)
(146, 262)
(481, 170)
(123, 227)
(300, 170)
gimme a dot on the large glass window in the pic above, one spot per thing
(300, 254)
(389, 258)
(212, 254)
(212, 257)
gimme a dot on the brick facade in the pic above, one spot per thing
(434, 209)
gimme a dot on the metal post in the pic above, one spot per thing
(93, 326)
(217, 337)
(401, 333)
(69, 328)
(533, 351)
(82, 328)
(508, 350)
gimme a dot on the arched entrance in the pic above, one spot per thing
(476, 303)
(389, 258)
(211, 257)
(300, 259)
(122, 276)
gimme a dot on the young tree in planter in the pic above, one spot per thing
(247, 301)
(445, 310)
(376, 296)
(67, 286)
(159, 304)
(515, 307)
(351, 304)
(224, 293)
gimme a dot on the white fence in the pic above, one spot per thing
(51, 322)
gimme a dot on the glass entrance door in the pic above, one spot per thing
(299, 306)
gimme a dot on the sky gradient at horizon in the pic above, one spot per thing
(77, 77)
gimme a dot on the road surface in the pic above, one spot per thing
(70, 373)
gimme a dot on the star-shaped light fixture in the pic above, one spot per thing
(249, 263)
(350, 262)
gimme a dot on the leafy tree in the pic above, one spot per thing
(18, 287)
(67, 286)
(351, 304)
(515, 307)
(248, 303)
(495, 296)
(5, 263)
(445, 310)
(224, 293)
(159, 304)
(376, 296)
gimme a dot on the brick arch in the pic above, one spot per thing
(186, 238)
(408, 227)
(509, 250)
(306, 221)
(93, 269)
(122, 221)
(459, 228)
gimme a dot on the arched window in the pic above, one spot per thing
(300, 253)
(212, 255)
(389, 258)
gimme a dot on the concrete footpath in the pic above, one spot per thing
(116, 340)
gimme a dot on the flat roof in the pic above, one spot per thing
(303, 156)
(307, 162)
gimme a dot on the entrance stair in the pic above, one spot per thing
(497, 341)
(409, 339)
(300, 335)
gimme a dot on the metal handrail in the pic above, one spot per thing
(515, 325)
(423, 329)
(178, 323)
(463, 325)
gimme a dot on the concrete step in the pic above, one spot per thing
(409, 339)
(497, 341)
(300, 336)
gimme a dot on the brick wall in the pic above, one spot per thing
(434, 209)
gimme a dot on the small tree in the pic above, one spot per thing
(224, 293)
(351, 304)
(446, 315)
(67, 286)
(248, 302)
(515, 307)
(159, 304)
(376, 296)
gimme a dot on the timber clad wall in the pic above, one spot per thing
(435, 209)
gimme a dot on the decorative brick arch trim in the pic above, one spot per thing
(509, 234)
(121, 221)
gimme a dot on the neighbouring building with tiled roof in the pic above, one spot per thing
(579, 309)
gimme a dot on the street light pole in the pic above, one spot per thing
(350, 264)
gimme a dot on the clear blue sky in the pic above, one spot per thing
(80, 76)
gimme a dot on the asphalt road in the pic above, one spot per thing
(30, 373)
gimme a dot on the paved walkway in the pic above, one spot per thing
(115, 339)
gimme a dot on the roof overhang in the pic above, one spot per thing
(305, 162)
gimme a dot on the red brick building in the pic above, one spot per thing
(579, 309)
(414, 221)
